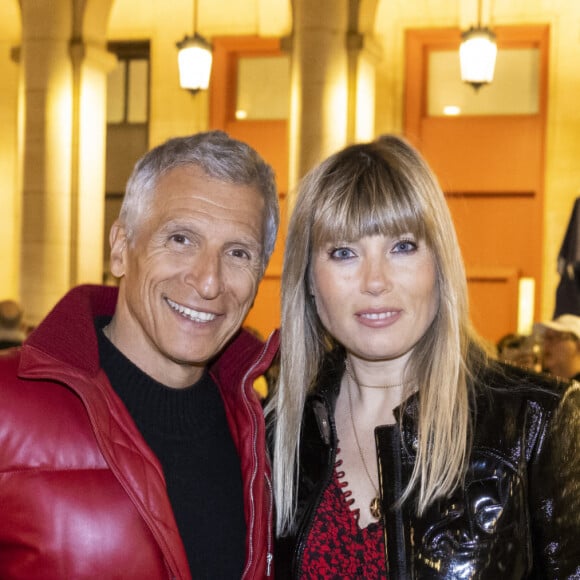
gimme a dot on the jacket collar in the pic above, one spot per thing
(244, 354)
(67, 333)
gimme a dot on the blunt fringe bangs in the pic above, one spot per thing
(362, 193)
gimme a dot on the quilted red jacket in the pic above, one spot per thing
(81, 493)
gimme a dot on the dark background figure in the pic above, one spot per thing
(561, 346)
(521, 350)
(568, 290)
(11, 329)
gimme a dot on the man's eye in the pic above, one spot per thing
(239, 253)
(341, 253)
(179, 239)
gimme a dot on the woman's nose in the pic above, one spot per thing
(376, 277)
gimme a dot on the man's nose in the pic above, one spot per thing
(205, 274)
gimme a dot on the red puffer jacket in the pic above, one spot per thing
(81, 494)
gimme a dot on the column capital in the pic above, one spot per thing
(357, 42)
(92, 54)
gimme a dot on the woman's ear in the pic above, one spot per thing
(118, 243)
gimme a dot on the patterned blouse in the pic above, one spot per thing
(336, 547)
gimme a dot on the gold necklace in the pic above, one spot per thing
(375, 505)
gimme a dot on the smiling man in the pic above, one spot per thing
(131, 441)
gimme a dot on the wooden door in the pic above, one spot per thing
(270, 138)
(491, 168)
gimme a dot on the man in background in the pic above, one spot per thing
(520, 350)
(561, 345)
(11, 330)
(132, 443)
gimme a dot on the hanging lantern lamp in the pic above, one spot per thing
(194, 59)
(477, 54)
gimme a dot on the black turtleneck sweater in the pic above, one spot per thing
(188, 432)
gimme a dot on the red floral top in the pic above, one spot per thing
(336, 547)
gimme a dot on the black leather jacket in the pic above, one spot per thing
(516, 516)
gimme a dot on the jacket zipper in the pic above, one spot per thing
(269, 555)
(396, 564)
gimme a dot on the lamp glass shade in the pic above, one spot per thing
(477, 55)
(194, 59)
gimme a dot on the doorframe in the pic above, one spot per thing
(419, 43)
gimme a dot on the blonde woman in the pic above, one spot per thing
(399, 449)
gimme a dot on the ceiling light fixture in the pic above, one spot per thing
(194, 59)
(477, 54)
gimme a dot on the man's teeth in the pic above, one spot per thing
(194, 315)
(378, 315)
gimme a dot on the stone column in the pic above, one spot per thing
(47, 88)
(63, 87)
(333, 80)
(319, 83)
(9, 175)
(91, 63)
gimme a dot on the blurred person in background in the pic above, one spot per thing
(521, 350)
(11, 324)
(561, 346)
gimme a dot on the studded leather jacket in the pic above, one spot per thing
(517, 514)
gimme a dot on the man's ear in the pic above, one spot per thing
(118, 242)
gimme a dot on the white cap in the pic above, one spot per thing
(564, 323)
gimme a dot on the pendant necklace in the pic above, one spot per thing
(375, 505)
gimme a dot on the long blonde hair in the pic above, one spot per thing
(383, 187)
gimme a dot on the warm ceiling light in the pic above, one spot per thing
(477, 54)
(194, 59)
(451, 110)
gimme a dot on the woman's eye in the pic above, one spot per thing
(341, 253)
(405, 246)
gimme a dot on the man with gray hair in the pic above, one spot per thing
(132, 444)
